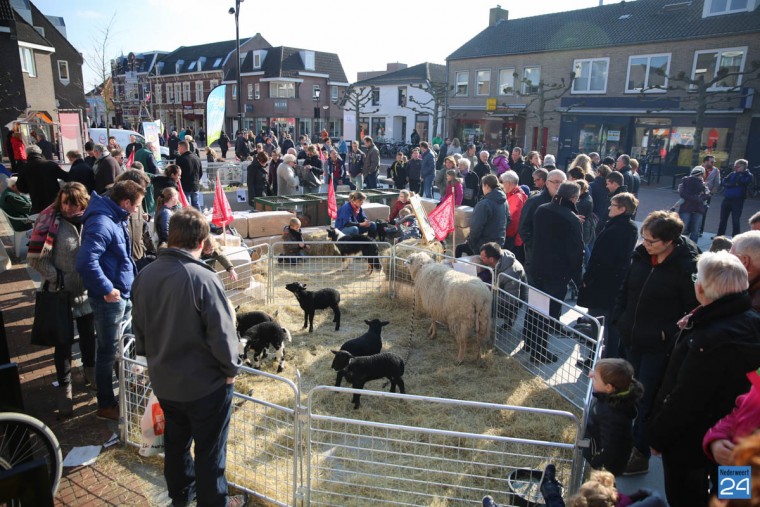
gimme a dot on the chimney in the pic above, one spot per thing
(496, 15)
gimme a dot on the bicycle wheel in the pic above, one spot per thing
(23, 438)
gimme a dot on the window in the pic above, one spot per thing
(334, 94)
(40, 30)
(186, 92)
(531, 79)
(648, 73)
(178, 66)
(483, 82)
(402, 96)
(281, 90)
(506, 81)
(159, 95)
(315, 92)
(63, 71)
(213, 84)
(256, 91)
(375, 96)
(257, 59)
(191, 66)
(169, 93)
(308, 60)
(250, 91)
(177, 92)
(463, 80)
(27, 61)
(718, 7)
(591, 75)
(234, 91)
(200, 96)
(218, 62)
(714, 63)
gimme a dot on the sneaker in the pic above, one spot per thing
(108, 413)
(637, 463)
(238, 500)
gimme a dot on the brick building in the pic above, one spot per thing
(131, 88)
(626, 96)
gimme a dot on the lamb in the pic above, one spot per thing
(366, 345)
(316, 300)
(262, 336)
(453, 298)
(354, 244)
(246, 320)
(360, 370)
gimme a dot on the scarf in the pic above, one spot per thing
(43, 236)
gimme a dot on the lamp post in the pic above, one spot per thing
(236, 11)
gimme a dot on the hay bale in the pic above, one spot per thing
(268, 223)
(322, 249)
(376, 211)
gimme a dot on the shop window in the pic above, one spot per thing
(483, 82)
(421, 122)
(715, 141)
(463, 81)
(591, 75)
(531, 80)
(714, 63)
(648, 73)
(507, 81)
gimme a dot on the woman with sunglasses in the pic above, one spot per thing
(656, 293)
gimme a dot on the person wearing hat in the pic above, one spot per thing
(16, 205)
(550, 162)
(694, 193)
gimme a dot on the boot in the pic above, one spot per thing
(89, 377)
(65, 401)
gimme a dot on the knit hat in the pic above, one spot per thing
(698, 171)
(525, 189)
(550, 160)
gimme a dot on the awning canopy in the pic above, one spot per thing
(33, 117)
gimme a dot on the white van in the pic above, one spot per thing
(99, 136)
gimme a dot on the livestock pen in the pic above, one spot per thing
(459, 432)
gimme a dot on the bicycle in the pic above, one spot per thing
(24, 438)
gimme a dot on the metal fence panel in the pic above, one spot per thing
(355, 462)
(229, 173)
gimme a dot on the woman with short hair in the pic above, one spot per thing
(351, 218)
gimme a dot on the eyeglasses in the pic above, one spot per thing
(649, 242)
(555, 182)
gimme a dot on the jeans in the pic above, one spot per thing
(62, 353)
(648, 367)
(358, 229)
(195, 200)
(733, 207)
(371, 180)
(108, 318)
(692, 224)
(358, 181)
(427, 186)
(206, 422)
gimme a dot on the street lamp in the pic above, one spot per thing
(236, 11)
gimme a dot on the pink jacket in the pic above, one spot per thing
(743, 420)
(501, 164)
(456, 188)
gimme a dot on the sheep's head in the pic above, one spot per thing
(416, 261)
(341, 359)
(295, 287)
(376, 325)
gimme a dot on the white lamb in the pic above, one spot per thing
(460, 301)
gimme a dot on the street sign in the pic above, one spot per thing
(490, 104)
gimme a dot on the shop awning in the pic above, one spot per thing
(38, 117)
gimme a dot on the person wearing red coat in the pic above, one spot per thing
(19, 147)
(516, 199)
(453, 187)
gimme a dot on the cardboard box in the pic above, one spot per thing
(376, 211)
(227, 240)
(268, 223)
(240, 222)
(236, 255)
(462, 216)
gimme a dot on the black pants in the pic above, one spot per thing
(62, 353)
(733, 207)
(462, 250)
(414, 186)
(685, 486)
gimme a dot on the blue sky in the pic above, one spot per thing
(366, 36)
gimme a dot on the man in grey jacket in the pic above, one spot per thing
(185, 327)
(371, 163)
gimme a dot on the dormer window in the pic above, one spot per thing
(719, 7)
(217, 62)
(201, 61)
(178, 66)
(308, 59)
(191, 67)
(257, 57)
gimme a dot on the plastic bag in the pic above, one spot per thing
(152, 425)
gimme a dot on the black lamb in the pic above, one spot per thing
(262, 336)
(246, 320)
(366, 345)
(360, 370)
(315, 300)
(355, 244)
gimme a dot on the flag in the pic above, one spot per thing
(222, 211)
(147, 97)
(332, 205)
(215, 103)
(182, 198)
(442, 218)
(130, 160)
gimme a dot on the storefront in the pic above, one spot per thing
(495, 130)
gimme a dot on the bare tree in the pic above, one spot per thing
(434, 106)
(355, 99)
(100, 64)
(705, 94)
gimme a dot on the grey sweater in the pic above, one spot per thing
(184, 326)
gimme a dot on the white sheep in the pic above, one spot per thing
(460, 301)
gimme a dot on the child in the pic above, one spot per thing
(401, 202)
(721, 243)
(610, 417)
(292, 233)
(600, 490)
(454, 186)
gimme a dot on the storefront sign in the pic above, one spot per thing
(613, 135)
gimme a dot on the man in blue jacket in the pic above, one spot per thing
(105, 264)
(489, 218)
(735, 185)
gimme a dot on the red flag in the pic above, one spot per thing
(130, 160)
(182, 197)
(442, 218)
(332, 205)
(222, 211)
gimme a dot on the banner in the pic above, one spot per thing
(151, 131)
(222, 211)
(215, 114)
(422, 219)
(332, 205)
(71, 132)
(182, 197)
(442, 218)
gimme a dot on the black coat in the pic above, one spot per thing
(82, 172)
(653, 298)
(413, 169)
(224, 142)
(397, 171)
(39, 178)
(173, 143)
(191, 172)
(161, 182)
(557, 243)
(258, 181)
(471, 182)
(526, 176)
(526, 219)
(601, 197)
(518, 167)
(609, 429)
(608, 264)
(707, 371)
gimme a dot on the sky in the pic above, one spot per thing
(366, 36)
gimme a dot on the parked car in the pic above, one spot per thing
(99, 136)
